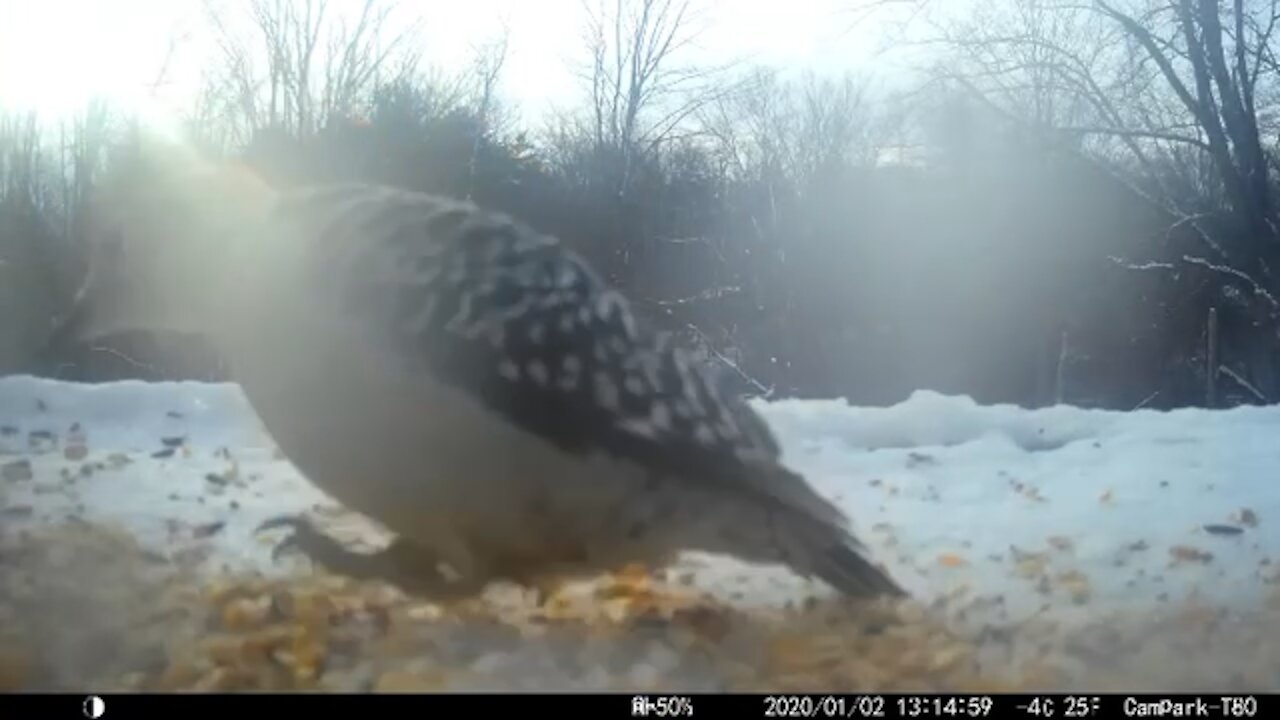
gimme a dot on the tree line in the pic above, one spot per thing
(1073, 203)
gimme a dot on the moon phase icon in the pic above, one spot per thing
(94, 707)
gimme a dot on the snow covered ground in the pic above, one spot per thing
(997, 516)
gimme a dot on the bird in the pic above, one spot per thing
(468, 382)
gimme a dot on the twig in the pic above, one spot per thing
(1254, 285)
(1060, 379)
(1242, 382)
(708, 294)
(1228, 270)
(767, 391)
(122, 356)
(1211, 360)
(1146, 400)
(1194, 221)
(1144, 266)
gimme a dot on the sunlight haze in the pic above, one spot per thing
(148, 54)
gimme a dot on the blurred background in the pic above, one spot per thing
(1023, 201)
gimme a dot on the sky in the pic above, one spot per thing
(55, 54)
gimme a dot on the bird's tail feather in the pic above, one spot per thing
(815, 536)
(845, 568)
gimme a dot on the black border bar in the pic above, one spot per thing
(1080, 706)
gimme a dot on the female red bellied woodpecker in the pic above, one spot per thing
(460, 378)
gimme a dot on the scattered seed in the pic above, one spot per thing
(17, 470)
(1215, 529)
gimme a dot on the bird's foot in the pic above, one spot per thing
(304, 539)
(401, 563)
(543, 588)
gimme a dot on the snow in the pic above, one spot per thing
(1116, 497)
(997, 514)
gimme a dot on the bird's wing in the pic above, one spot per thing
(521, 324)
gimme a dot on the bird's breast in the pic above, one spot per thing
(414, 454)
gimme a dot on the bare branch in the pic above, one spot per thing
(1254, 285)
(489, 63)
(1147, 400)
(1136, 133)
(1224, 370)
(640, 93)
(1141, 266)
(714, 293)
(765, 390)
(304, 61)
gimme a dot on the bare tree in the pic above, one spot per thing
(641, 92)
(1211, 57)
(836, 124)
(490, 59)
(84, 142)
(1214, 72)
(1125, 82)
(295, 64)
(792, 128)
(29, 287)
(1169, 95)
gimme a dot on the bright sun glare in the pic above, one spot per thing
(57, 55)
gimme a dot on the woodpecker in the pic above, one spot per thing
(464, 380)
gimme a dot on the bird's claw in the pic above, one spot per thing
(324, 551)
(301, 535)
(401, 564)
(282, 521)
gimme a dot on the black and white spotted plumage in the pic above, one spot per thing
(472, 384)
(522, 325)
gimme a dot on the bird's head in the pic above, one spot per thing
(160, 233)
